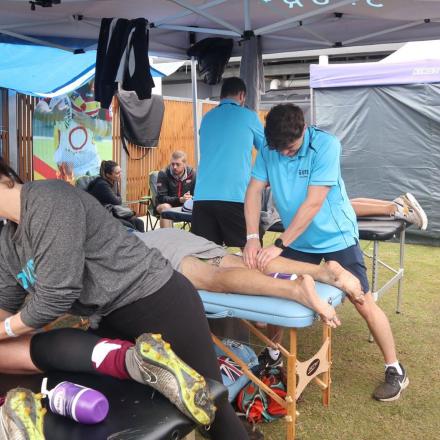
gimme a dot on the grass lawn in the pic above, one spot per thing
(358, 366)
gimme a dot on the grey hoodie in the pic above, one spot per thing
(72, 256)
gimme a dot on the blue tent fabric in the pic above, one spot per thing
(45, 71)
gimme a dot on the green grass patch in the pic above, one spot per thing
(358, 365)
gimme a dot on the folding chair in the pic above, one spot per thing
(150, 200)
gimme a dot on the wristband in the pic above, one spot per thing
(251, 236)
(8, 328)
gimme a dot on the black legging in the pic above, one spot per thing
(176, 312)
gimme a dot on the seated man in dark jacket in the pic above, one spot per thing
(175, 185)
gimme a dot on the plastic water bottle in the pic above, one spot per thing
(284, 276)
(82, 404)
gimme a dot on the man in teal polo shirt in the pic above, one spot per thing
(227, 134)
(302, 165)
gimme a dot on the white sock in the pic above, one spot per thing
(396, 365)
(273, 353)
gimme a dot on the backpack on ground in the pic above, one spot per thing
(259, 406)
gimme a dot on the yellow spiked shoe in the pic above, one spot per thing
(21, 416)
(163, 370)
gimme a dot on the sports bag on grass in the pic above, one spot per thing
(259, 406)
(233, 377)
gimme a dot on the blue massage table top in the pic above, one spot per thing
(267, 309)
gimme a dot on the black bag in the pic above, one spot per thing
(119, 211)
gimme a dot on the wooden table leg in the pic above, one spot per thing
(326, 377)
(291, 387)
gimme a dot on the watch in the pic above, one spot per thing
(279, 244)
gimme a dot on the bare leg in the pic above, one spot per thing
(365, 207)
(379, 327)
(253, 282)
(330, 272)
(15, 356)
(163, 222)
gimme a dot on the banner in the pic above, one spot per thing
(71, 135)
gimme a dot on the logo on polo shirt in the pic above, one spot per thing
(303, 173)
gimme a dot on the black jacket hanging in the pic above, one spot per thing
(122, 57)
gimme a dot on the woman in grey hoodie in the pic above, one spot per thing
(61, 251)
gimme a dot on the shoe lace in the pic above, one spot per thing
(392, 376)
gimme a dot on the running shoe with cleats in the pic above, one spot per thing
(394, 384)
(409, 209)
(21, 416)
(164, 371)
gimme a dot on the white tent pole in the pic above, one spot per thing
(176, 27)
(386, 31)
(247, 15)
(195, 110)
(301, 40)
(316, 35)
(286, 23)
(36, 41)
(206, 15)
(186, 13)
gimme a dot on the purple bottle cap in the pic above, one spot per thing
(91, 407)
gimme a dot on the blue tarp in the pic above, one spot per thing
(45, 71)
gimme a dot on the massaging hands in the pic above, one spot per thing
(256, 257)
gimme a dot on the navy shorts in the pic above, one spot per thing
(220, 222)
(350, 258)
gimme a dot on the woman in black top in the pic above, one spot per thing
(106, 188)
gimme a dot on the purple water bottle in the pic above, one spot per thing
(82, 404)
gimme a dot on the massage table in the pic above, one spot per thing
(288, 314)
(137, 412)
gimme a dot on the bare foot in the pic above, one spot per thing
(306, 295)
(344, 280)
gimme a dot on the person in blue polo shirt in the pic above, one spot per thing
(302, 165)
(227, 134)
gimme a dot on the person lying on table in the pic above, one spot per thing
(62, 251)
(209, 267)
(302, 165)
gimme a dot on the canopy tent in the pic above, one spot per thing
(284, 25)
(48, 72)
(414, 63)
(387, 115)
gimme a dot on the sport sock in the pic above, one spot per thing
(396, 365)
(108, 357)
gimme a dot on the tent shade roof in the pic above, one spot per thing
(46, 71)
(285, 25)
(412, 64)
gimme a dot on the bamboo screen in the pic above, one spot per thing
(4, 125)
(176, 134)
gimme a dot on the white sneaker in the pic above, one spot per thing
(409, 209)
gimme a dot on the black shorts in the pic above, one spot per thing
(220, 222)
(350, 258)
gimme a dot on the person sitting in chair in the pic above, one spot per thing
(107, 189)
(175, 185)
